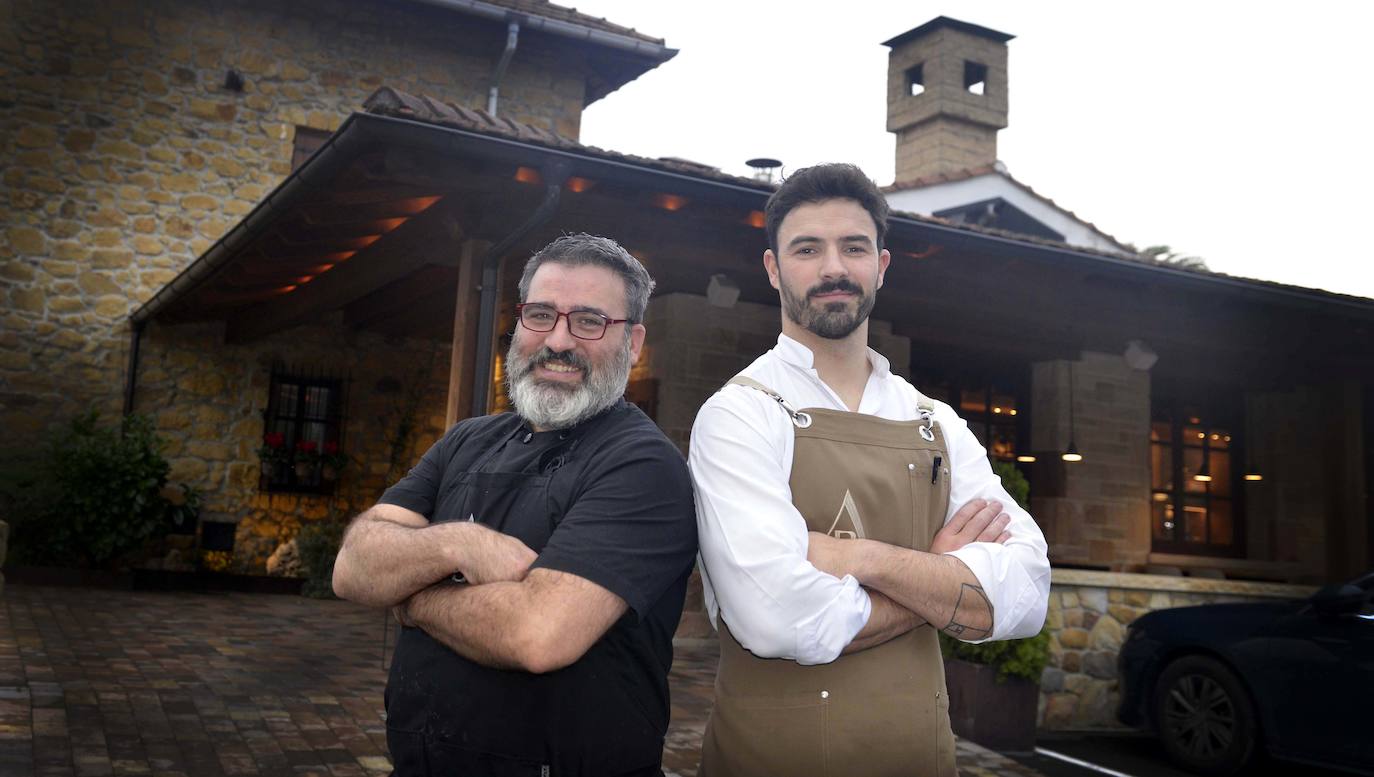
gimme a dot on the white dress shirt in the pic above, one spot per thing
(754, 541)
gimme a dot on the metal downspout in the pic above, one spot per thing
(554, 174)
(131, 376)
(512, 39)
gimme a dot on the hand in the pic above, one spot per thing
(830, 555)
(494, 557)
(401, 613)
(978, 521)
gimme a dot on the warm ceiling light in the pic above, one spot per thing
(386, 225)
(337, 257)
(413, 206)
(1194, 420)
(305, 279)
(1202, 477)
(528, 175)
(997, 410)
(755, 219)
(1253, 476)
(1025, 458)
(1216, 436)
(365, 241)
(1012, 411)
(669, 202)
(1201, 435)
(1161, 497)
(284, 290)
(1071, 455)
(579, 185)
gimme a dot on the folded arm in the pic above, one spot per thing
(390, 553)
(539, 624)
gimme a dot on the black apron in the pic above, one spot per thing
(451, 717)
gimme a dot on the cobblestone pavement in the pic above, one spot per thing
(99, 682)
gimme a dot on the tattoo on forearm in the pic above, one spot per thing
(970, 607)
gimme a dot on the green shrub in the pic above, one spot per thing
(93, 494)
(1014, 482)
(318, 545)
(1022, 658)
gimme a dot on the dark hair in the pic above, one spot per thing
(819, 183)
(583, 249)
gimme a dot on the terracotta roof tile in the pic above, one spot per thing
(572, 16)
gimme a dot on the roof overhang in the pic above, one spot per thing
(956, 284)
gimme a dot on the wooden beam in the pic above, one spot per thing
(462, 367)
(398, 254)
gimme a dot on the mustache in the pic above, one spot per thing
(827, 287)
(546, 354)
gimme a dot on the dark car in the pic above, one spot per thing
(1221, 683)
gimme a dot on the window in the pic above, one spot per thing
(303, 423)
(915, 80)
(975, 77)
(991, 411)
(1193, 484)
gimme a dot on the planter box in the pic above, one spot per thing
(998, 716)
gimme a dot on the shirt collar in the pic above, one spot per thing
(794, 353)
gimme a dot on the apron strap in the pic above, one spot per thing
(800, 419)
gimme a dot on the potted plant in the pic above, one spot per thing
(273, 455)
(332, 461)
(994, 689)
(307, 461)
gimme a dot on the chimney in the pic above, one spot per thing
(946, 96)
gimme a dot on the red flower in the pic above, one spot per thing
(331, 448)
(274, 439)
(306, 446)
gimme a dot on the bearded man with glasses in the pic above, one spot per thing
(538, 560)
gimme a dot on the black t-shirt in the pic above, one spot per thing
(619, 513)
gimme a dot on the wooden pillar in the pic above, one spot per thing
(464, 353)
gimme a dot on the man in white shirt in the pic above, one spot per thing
(831, 548)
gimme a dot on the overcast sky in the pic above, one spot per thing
(1234, 131)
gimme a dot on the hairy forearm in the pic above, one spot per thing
(939, 588)
(478, 622)
(382, 562)
(888, 620)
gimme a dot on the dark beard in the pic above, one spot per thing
(833, 322)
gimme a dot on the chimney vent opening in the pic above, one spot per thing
(915, 80)
(975, 77)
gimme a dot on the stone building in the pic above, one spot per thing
(161, 240)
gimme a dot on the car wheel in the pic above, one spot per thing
(1204, 717)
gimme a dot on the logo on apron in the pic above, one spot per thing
(847, 524)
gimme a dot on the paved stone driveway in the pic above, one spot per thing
(98, 682)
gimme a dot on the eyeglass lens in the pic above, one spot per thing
(582, 323)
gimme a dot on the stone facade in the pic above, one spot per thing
(125, 155)
(1087, 620)
(1096, 511)
(207, 400)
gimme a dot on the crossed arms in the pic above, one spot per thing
(509, 616)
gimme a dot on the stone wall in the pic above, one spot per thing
(1095, 511)
(694, 348)
(207, 399)
(1087, 620)
(124, 155)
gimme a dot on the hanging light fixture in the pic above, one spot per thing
(1071, 453)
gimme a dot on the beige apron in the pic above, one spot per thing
(878, 712)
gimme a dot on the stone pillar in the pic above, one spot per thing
(1095, 511)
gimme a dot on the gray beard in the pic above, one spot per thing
(557, 406)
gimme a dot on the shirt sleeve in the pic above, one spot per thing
(1016, 574)
(754, 541)
(631, 529)
(419, 489)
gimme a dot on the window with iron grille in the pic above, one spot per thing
(303, 425)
